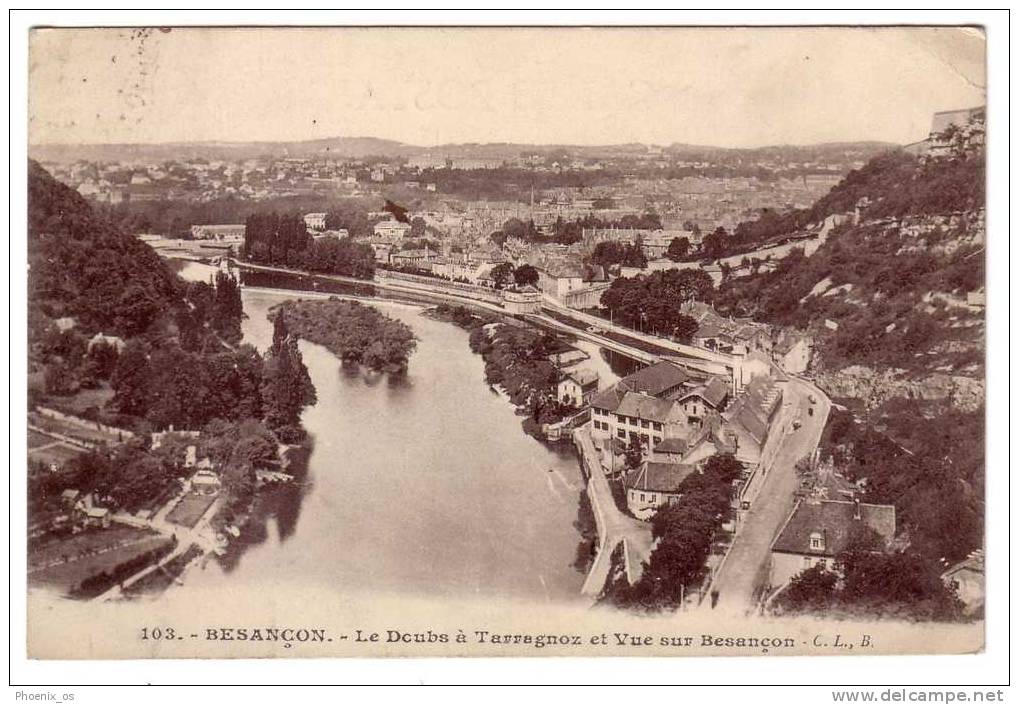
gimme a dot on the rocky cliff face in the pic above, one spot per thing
(875, 388)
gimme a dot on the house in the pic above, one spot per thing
(700, 401)
(382, 251)
(966, 579)
(576, 387)
(65, 323)
(338, 234)
(111, 341)
(390, 231)
(205, 482)
(641, 406)
(793, 352)
(158, 436)
(654, 484)
(95, 517)
(560, 279)
(414, 259)
(69, 498)
(567, 357)
(818, 531)
(89, 515)
(670, 450)
(315, 221)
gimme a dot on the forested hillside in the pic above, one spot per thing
(80, 265)
(889, 289)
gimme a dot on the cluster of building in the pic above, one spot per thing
(679, 418)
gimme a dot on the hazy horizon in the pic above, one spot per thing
(731, 88)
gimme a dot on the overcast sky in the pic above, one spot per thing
(724, 87)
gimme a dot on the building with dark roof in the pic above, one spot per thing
(700, 401)
(654, 484)
(748, 419)
(642, 407)
(657, 380)
(818, 531)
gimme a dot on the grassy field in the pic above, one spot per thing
(36, 439)
(84, 431)
(66, 576)
(190, 509)
(85, 542)
(56, 452)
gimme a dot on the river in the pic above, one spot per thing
(425, 485)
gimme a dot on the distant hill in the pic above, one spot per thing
(80, 265)
(361, 147)
(341, 147)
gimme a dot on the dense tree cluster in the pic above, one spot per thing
(652, 302)
(177, 362)
(936, 486)
(173, 217)
(613, 252)
(81, 265)
(678, 250)
(686, 531)
(167, 385)
(869, 584)
(352, 331)
(272, 238)
(570, 231)
(517, 359)
(353, 218)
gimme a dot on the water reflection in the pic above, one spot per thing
(421, 483)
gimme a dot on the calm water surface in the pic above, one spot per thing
(425, 484)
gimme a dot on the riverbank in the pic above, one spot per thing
(517, 360)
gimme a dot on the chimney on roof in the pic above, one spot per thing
(856, 509)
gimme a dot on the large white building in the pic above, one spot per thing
(642, 406)
(390, 231)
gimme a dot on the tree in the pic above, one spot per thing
(286, 384)
(715, 243)
(634, 453)
(417, 227)
(679, 248)
(525, 275)
(813, 590)
(685, 531)
(132, 381)
(227, 309)
(398, 211)
(501, 274)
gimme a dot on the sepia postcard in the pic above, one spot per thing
(505, 341)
